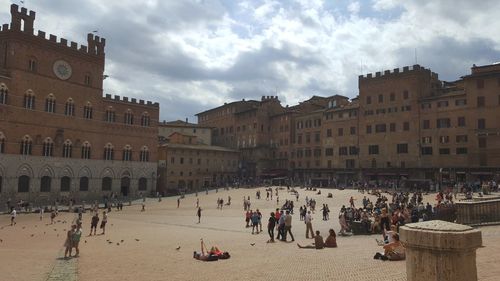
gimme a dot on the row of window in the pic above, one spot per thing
(392, 97)
(69, 108)
(198, 161)
(445, 103)
(309, 123)
(317, 138)
(23, 184)
(446, 123)
(26, 148)
(340, 115)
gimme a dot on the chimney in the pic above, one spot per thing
(186, 120)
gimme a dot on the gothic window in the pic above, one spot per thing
(144, 155)
(32, 64)
(87, 111)
(26, 145)
(48, 147)
(143, 184)
(86, 150)
(4, 91)
(69, 107)
(50, 104)
(110, 115)
(108, 152)
(127, 153)
(67, 149)
(128, 117)
(29, 100)
(145, 120)
(84, 184)
(106, 183)
(2, 143)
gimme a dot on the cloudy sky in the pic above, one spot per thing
(192, 55)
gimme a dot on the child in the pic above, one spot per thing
(13, 216)
(75, 239)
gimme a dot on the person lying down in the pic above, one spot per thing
(213, 255)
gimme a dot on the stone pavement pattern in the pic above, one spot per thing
(148, 250)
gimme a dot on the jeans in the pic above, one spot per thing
(270, 230)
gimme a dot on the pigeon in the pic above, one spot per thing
(85, 241)
(253, 244)
(32, 235)
(117, 244)
(121, 240)
(178, 248)
(44, 233)
(24, 227)
(57, 234)
(35, 225)
(136, 239)
(55, 229)
(109, 242)
(1, 241)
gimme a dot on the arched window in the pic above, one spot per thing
(69, 107)
(26, 145)
(108, 152)
(48, 147)
(84, 184)
(50, 104)
(106, 183)
(23, 184)
(145, 119)
(2, 143)
(128, 117)
(65, 184)
(32, 64)
(143, 184)
(87, 111)
(127, 153)
(45, 183)
(4, 92)
(144, 155)
(86, 150)
(29, 100)
(67, 149)
(110, 115)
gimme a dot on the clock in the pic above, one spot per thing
(62, 69)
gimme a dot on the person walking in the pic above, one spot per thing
(178, 202)
(281, 227)
(308, 221)
(255, 222)
(288, 226)
(198, 213)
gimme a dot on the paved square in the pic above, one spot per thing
(31, 250)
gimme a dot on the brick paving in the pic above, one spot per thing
(142, 245)
(64, 270)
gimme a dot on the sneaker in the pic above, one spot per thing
(377, 256)
(384, 258)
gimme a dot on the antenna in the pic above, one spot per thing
(416, 58)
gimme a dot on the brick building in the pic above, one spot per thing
(203, 134)
(404, 124)
(59, 136)
(190, 165)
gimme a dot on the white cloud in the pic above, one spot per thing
(205, 53)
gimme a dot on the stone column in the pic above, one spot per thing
(440, 251)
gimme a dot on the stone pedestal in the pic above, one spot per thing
(440, 251)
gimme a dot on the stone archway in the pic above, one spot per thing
(125, 186)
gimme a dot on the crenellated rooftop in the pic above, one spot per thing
(397, 71)
(133, 101)
(95, 45)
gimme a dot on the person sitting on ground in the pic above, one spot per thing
(318, 243)
(394, 251)
(331, 240)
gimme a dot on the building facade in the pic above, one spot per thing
(59, 136)
(203, 134)
(186, 164)
(404, 124)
